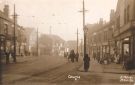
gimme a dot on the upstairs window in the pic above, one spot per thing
(125, 21)
(6, 29)
(128, 12)
(118, 22)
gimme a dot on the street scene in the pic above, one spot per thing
(67, 42)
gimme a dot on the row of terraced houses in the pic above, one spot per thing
(7, 31)
(116, 38)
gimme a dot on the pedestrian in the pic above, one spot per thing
(13, 55)
(77, 56)
(86, 60)
(69, 58)
(7, 55)
(126, 60)
(94, 56)
(65, 55)
(72, 55)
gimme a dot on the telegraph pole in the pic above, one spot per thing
(14, 57)
(84, 28)
(77, 40)
(82, 47)
(0, 63)
(37, 42)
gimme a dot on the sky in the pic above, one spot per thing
(60, 17)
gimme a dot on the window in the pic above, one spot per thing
(118, 22)
(6, 29)
(125, 16)
(128, 13)
(105, 36)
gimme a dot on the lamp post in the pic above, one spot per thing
(2, 39)
(37, 43)
(84, 28)
(77, 41)
(37, 37)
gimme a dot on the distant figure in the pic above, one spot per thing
(7, 55)
(72, 55)
(86, 60)
(77, 56)
(65, 54)
(126, 60)
(13, 55)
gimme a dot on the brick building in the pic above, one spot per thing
(124, 33)
(7, 30)
(117, 36)
(100, 39)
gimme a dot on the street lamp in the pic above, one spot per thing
(2, 40)
(14, 33)
(94, 41)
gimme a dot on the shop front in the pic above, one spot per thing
(125, 47)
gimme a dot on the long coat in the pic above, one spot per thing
(72, 56)
(86, 60)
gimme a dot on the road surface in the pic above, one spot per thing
(66, 73)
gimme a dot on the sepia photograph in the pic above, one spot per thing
(67, 42)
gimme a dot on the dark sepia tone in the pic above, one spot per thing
(67, 42)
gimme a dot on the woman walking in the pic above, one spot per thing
(86, 60)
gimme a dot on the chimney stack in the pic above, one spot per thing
(101, 22)
(6, 10)
(112, 14)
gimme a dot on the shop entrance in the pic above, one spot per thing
(126, 54)
(125, 48)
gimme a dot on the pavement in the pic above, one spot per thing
(109, 74)
(117, 69)
(20, 59)
(108, 68)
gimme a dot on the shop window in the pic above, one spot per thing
(126, 48)
(126, 45)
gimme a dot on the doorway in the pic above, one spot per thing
(125, 48)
